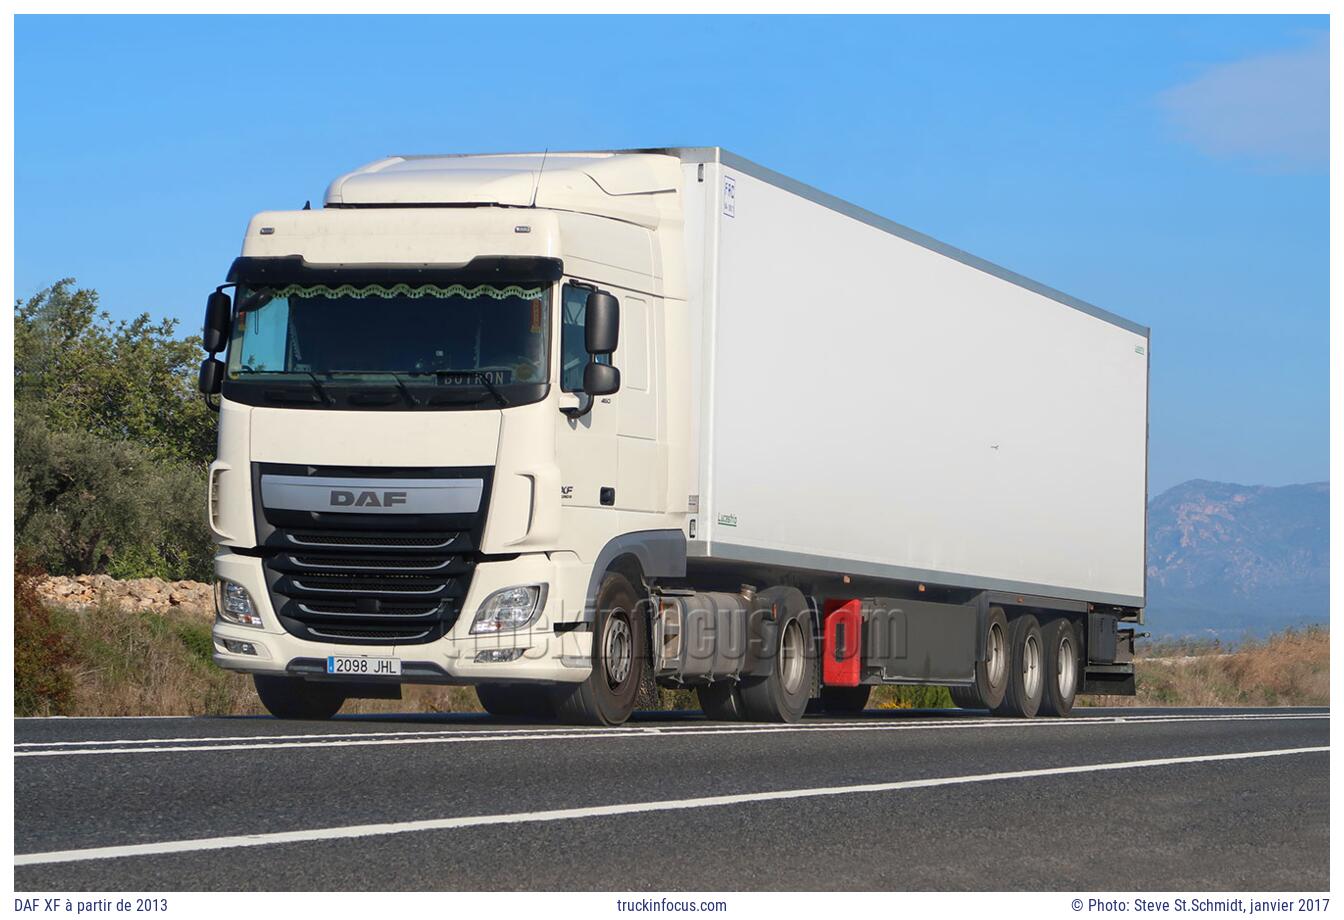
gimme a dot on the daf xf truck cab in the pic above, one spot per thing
(567, 427)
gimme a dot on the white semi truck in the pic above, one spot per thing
(567, 427)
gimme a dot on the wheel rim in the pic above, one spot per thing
(997, 665)
(1067, 668)
(1031, 666)
(616, 647)
(791, 657)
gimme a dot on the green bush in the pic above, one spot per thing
(85, 504)
(111, 441)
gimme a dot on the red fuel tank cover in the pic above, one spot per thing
(842, 635)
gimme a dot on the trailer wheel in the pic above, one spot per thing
(1060, 645)
(845, 700)
(296, 698)
(620, 655)
(1026, 673)
(516, 701)
(782, 694)
(721, 701)
(991, 675)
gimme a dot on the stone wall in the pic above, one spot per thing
(152, 594)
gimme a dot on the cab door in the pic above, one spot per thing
(586, 447)
(611, 456)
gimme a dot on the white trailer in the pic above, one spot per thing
(745, 438)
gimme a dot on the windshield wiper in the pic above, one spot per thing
(444, 375)
(317, 385)
(401, 384)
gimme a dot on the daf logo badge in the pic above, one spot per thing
(340, 498)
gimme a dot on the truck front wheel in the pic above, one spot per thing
(296, 698)
(620, 655)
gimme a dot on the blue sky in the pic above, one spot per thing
(1170, 169)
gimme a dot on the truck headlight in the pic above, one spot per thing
(234, 605)
(510, 608)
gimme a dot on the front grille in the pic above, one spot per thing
(372, 577)
(367, 588)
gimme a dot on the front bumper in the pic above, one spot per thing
(549, 655)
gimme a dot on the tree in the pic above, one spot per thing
(129, 380)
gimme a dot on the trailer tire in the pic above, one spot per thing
(991, 675)
(782, 694)
(296, 698)
(845, 700)
(1026, 669)
(1062, 667)
(721, 702)
(516, 701)
(620, 657)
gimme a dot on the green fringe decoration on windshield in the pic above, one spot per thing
(405, 290)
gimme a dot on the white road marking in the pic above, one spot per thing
(259, 743)
(669, 728)
(599, 811)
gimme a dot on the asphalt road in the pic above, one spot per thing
(1108, 800)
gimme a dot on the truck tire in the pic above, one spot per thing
(844, 700)
(1062, 667)
(991, 675)
(1026, 670)
(721, 701)
(515, 701)
(620, 656)
(296, 698)
(966, 698)
(782, 694)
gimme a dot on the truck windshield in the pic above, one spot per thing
(331, 338)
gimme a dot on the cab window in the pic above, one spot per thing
(573, 350)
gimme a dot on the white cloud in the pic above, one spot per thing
(1274, 108)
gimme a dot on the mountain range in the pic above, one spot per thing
(1232, 561)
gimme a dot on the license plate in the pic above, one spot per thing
(360, 666)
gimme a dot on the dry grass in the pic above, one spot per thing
(1291, 668)
(150, 664)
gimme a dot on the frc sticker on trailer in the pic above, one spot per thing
(729, 196)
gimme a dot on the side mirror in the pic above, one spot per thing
(600, 379)
(602, 324)
(212, 376)
(218, 309)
